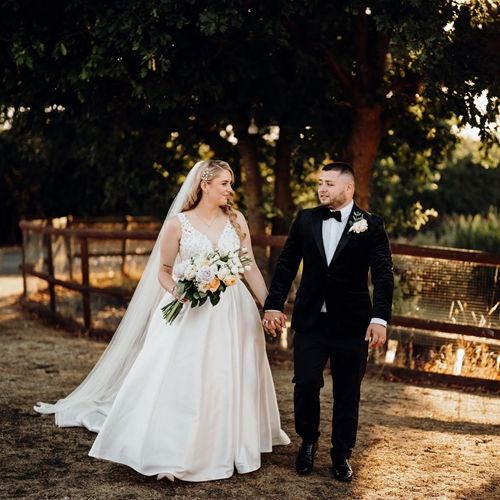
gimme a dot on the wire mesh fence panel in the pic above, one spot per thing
(35, 251)
(69, 305)
(85, 270)
(107, 311)
(452, 291)
(85, 279)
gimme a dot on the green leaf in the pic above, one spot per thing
(214, 299)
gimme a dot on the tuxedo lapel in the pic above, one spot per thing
(317, 229)
(346, 235)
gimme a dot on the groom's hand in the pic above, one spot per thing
(274, 322)
(376, 334)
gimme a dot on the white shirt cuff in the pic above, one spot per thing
(272, 311)
(379, 321)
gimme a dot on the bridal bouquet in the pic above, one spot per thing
(205, 277)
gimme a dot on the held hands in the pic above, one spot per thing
(376, 334)
(274, 322)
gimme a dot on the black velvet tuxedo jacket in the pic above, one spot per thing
(341, 283)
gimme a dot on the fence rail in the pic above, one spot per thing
(82, 235)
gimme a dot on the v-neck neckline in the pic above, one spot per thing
(212, 244)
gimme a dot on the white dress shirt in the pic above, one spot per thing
(332, 232)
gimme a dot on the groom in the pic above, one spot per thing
(333, 317)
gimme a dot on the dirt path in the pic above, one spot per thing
(414, 442)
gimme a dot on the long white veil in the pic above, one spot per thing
(89, 403)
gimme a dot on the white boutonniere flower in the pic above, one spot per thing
(359, 225)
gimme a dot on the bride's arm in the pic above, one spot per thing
(254, 276)
(169, 248)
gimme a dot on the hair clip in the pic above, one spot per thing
(205, 175)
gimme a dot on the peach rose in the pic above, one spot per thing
(230, 281)
(214, 284)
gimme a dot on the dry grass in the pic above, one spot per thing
(413, 443)
(478, 360)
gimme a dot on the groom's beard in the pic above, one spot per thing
(335, 202)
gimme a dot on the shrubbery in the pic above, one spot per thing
(475, 232)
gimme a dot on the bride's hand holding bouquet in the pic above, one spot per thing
(205, 277)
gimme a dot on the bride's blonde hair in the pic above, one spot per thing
(208, 171)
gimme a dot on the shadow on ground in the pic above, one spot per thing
(413, 442)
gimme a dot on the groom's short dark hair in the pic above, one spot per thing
(341, 167)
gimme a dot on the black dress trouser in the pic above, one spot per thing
(348, 358)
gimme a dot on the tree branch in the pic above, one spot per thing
(408, 82)
(360, 32)
(381, 56)
(338, 72)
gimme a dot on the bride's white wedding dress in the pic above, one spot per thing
(199, 400)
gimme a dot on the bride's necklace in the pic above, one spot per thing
(208, 224)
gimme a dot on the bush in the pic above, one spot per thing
(474, 232)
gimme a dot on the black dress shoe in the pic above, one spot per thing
(305, 458)
(342, 471)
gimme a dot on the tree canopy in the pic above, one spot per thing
(105, 100)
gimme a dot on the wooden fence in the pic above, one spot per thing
(83, 235)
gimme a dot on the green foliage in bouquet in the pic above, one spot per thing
(206, 277)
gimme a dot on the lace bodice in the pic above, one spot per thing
(194, 242)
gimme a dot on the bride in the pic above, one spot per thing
(194, 399)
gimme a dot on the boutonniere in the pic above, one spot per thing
(359, 224)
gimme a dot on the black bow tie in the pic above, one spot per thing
(328, 214)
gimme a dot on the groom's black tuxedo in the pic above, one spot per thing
(341, 283)
(338, 334)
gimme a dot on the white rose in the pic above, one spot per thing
(359, 226)
(205, 275)
(222, 273)
(180, 269)
(190, 272)
(215, 259)
(201, 261)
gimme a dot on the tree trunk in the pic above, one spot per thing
(282, 188)
(362, 149)
(283, 200)
(252, 182)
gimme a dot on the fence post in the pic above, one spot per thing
(69, 250)
(124, 246)
(23, 261)
(84, 255)
(50, 270)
